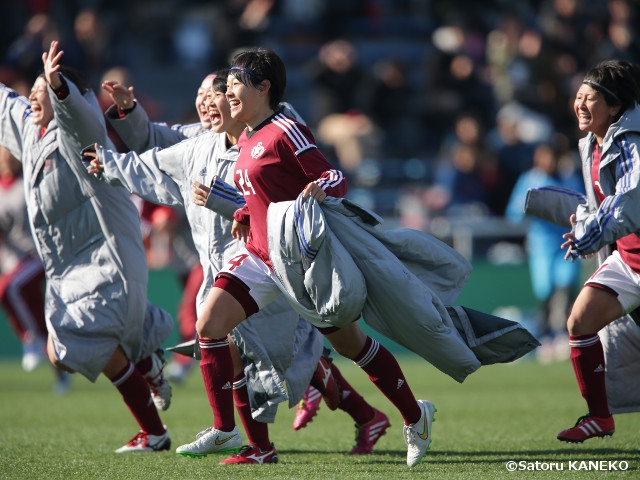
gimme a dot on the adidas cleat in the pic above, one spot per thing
(368, 434)
(587, 427)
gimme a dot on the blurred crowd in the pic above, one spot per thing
(432, 107)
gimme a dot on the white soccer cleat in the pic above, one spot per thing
(160, 388)
(418, 436)
(212, 440)
(144, 442)
(32, 353)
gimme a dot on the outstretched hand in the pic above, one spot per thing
(51, 61)
(120, 95)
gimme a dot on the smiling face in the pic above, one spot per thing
(40, 103)
(205, 86)
(218, 111)
(248, 104)
(592, 111)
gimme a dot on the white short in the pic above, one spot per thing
(616, 275)
(256, 275)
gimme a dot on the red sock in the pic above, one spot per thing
(385, 372)
(217, 372)
(587, 357)
(144, 365)
(257, 432)
(136, 394)
(351, 401)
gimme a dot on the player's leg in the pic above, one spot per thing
(259, 449)
(370, 422)
(385, 372)
(593, 309)
(220, 314)
(133, 387)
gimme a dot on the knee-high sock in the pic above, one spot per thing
(136, 394)
(587, 357)
(217, 372)
(385, 372)
(257, 432)
(351, 401)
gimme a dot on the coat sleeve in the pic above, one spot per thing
(15, 121)
(80, 122)
(153, 175)
(553, 204)
(139, 133)
(224, 199)
(133, 128)
(617, 215)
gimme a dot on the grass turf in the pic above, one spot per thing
(500, 413)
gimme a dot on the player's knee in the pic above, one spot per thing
(579, 325)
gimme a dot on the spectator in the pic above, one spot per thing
(553, 280)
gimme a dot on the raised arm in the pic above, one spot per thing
(78, 116)
(131, 121)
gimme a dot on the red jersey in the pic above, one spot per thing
(629, 245)
(277, 160)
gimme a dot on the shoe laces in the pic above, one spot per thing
(138, 439)
(204, 432)
(244, 450)
(409, 435)
(583, 418)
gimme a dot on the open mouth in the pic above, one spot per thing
(215, 118)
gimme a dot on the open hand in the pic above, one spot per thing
(51, 61)
(120, 95)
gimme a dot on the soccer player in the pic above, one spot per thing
(89, 240)
(606, 106)
(277, 161)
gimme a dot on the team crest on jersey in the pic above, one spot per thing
(257, 150)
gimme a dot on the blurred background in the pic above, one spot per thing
(434, 109)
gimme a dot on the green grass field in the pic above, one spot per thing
(500, 413)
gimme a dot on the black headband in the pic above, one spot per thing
(598, 86)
